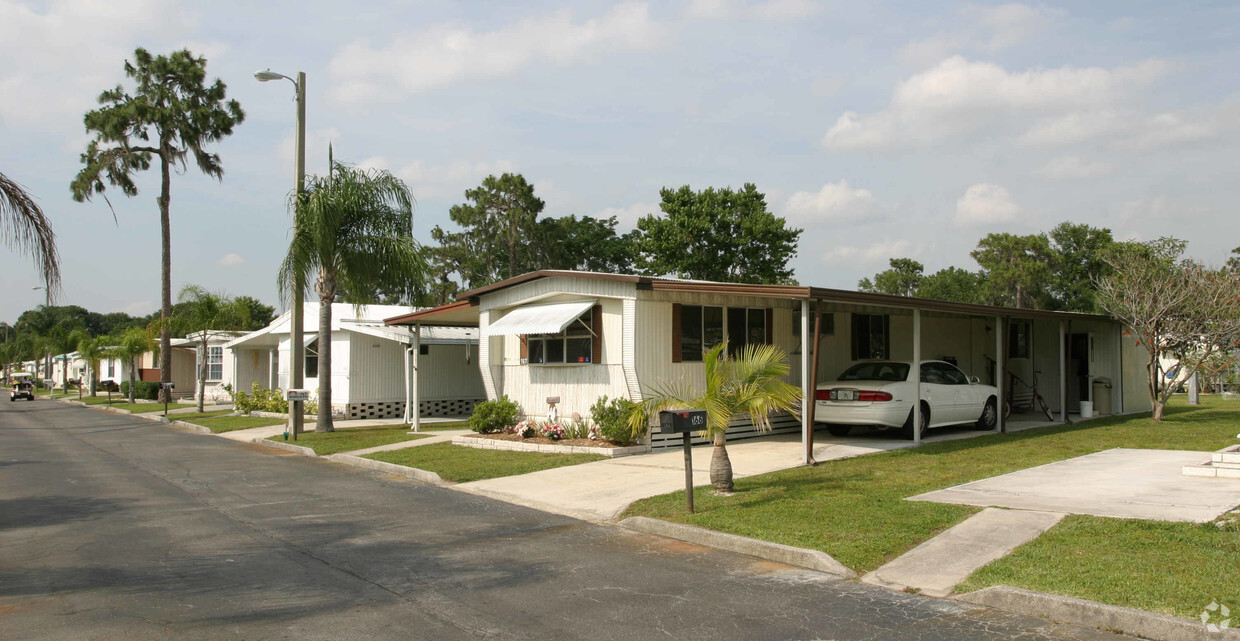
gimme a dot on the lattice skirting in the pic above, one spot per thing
(741, 428)
(396, 409)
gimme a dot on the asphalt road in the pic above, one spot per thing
(112, 527)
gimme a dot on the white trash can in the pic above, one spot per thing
(1087, 409)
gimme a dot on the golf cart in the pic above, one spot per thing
(23, 386)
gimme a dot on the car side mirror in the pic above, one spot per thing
(974, 379)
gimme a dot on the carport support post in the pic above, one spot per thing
(1063, 373)
(412, 362)
(916, 373)
(807, 390)
(1000, 383)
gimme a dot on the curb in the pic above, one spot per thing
(191, 427)
(812, 559)
(390, 468)
(1111, 618)
(296, 449)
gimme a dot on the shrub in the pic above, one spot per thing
(490, 417)
(611, 417)
(261, 399)
(575, 428)
(146, 390)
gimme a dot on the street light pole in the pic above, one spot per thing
(296, 331)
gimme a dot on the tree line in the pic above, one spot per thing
(1055, 270)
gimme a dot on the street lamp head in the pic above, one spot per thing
(267, 74)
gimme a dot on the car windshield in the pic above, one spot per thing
(876, 372)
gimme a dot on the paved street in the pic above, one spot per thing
(113, 527)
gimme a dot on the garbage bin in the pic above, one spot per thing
(1102, 396)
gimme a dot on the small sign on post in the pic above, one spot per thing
(294, 396)
(684, 422)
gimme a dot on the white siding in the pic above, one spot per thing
(376, 370)
(562, 287)
(444, 374)
(253, 366)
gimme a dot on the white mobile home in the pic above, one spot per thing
(576, 336)
(372, 364)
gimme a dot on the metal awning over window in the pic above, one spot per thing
(539, 319)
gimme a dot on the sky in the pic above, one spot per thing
(883, 130)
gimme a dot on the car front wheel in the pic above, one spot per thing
(907, 431)
(839, 430)
(989, 417)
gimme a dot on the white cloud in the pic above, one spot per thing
(959, 96)
(1072, 168)
(627, 217)
(770, 10)
(230, 260)
(877, 253)
(317, 141)
(449, 180)
(982, 29)
(61, 55)
(444, 55)
(985, 203)
(138, 308)
(834, 202)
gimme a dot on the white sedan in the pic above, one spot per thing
(880, 393)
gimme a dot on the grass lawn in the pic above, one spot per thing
(446, 425)
(463, 464)
(194, 416)
(854, 509)
(354, 438)
(146, 408)
(220, 424)
(1172, 568)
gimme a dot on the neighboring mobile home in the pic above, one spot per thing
(372, 367)
(576, 336)
(219, 371)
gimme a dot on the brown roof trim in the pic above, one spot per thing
(425, 315)
(798, 292)
(548, 273)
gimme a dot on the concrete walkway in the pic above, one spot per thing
(434, 437)
(937, 566)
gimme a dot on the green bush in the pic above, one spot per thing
(262, 399)
(146, 390)
(612, 419)
(491, 417)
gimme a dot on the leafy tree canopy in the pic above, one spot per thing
(719, 235)
(902, 279)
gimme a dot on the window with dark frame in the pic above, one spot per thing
(702, 327)
(1018, 340)
(871, 336)
(828, 323)
(573, 345)
(312, 359)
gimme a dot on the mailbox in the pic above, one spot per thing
(681, 421)
(297, 395)
(167, 385)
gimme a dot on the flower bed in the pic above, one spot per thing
(543, 444)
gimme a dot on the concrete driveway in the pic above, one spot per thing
(600, 491)
(1120, 483)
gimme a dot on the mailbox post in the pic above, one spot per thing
(167, 394)
(292, 396)
(684, 422)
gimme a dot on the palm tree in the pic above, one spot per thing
(132, 344)
(24, 227)
(353, 236)
(92, 349)
(749, 383)
(200, 311)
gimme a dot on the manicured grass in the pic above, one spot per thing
(463, 464)
(854, 509)
(446, 425)
(1172, 568)
(232, 423)
(145, 408)
(194, 416)
(354, 438)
